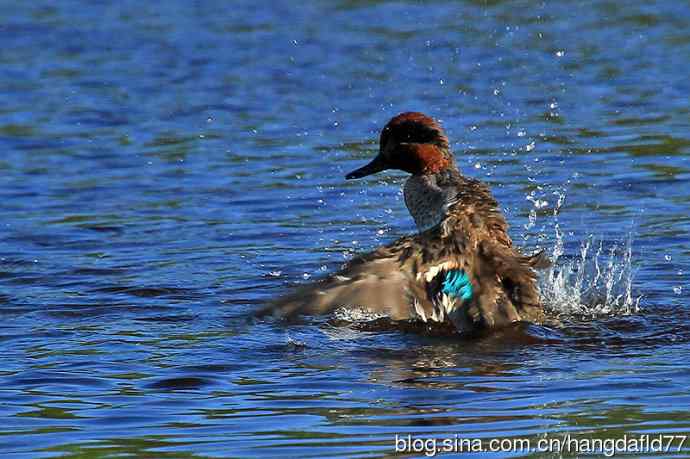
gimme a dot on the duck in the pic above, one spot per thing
(461, 267)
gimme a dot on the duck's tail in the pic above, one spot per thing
(539, 260)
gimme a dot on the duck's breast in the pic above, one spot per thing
(426, 202)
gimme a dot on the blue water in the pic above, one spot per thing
(166, 168)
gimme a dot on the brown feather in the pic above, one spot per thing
(462, 228)
(382, 282)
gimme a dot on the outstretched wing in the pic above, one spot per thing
(377, 282)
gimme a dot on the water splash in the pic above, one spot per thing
(599, 281)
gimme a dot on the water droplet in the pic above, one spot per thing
(538, 203)
(667, 257)
(521, 133)
(678, 290)
(477, 165)
(275, 273)
(532, 219)
(560, 53)
(530, 146)
(306, 276)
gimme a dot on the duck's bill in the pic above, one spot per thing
(377, 165)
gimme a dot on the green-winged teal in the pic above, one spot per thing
(461, 267)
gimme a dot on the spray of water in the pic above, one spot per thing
(597, 281)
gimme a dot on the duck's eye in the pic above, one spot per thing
(418, 133)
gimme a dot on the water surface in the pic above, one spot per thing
(166, 169)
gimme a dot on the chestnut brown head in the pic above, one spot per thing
(412, 142)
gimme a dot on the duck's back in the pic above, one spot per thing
(403, 280)
(476, 231)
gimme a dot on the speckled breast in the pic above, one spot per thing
(425, 201)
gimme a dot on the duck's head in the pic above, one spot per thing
(412, 142)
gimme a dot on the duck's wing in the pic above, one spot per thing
(539, 260)
(503, 279)
(381, 282)
(509, 285)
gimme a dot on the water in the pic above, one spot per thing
(164, 170)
